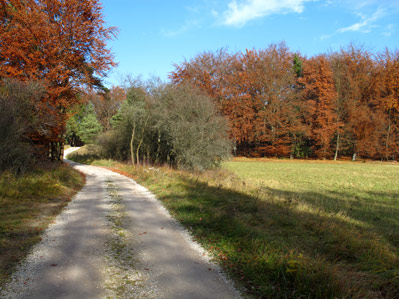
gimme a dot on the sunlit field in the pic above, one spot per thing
(341, 215)
(363, 194)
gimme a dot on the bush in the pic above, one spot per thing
(177, 125)
(112, 145)
(18, 120)
(194, 129)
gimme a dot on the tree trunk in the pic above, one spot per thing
(141, 141)
(61, 152)
(337, 148)
(131, 144)
(138, 151)
(158, 148)
(388, 134)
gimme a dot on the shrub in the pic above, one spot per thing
(177, 125)
(194, 129)
(18, 120)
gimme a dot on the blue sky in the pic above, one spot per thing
(155, 34)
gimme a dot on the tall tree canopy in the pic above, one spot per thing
(282, 104)
(60, 43)
(321, 97)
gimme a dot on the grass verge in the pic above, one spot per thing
(28, 204)
(290, 230)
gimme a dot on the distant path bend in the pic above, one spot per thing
(116, 240)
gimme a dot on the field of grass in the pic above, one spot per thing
(28, 204)
(287, 229)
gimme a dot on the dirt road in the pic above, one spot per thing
(115, 240)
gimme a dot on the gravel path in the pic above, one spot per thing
(115, 240)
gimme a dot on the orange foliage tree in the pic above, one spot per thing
(387, 100)
(272, 78)
(321, 97)
(355, 80)
(62, 44)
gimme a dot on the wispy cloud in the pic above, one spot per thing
(365, 24)
(187, 26)
(239, 13)
(364, 4)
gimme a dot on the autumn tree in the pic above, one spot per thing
(273, 79)
(60, 43)
(339, 68)
(321, 95)
(355, 78)
(387, 100)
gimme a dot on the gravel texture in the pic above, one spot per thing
(115, 240)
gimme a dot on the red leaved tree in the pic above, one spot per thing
(321, 97)
(387, 100)
(62, 44)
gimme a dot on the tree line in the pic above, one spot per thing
(276, 102)
(283, 104)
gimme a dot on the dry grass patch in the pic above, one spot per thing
(28, 204)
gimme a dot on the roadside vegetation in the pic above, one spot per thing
(287, 229)
(28, 204)
(163, 124)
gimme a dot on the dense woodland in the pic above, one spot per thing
(280, 103)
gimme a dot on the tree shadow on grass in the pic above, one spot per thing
(377, 211)
(280, 251)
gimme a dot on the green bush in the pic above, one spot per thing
(83, 127)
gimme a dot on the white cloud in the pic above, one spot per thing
(189, 25)
(366, 24)
(239, 13)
